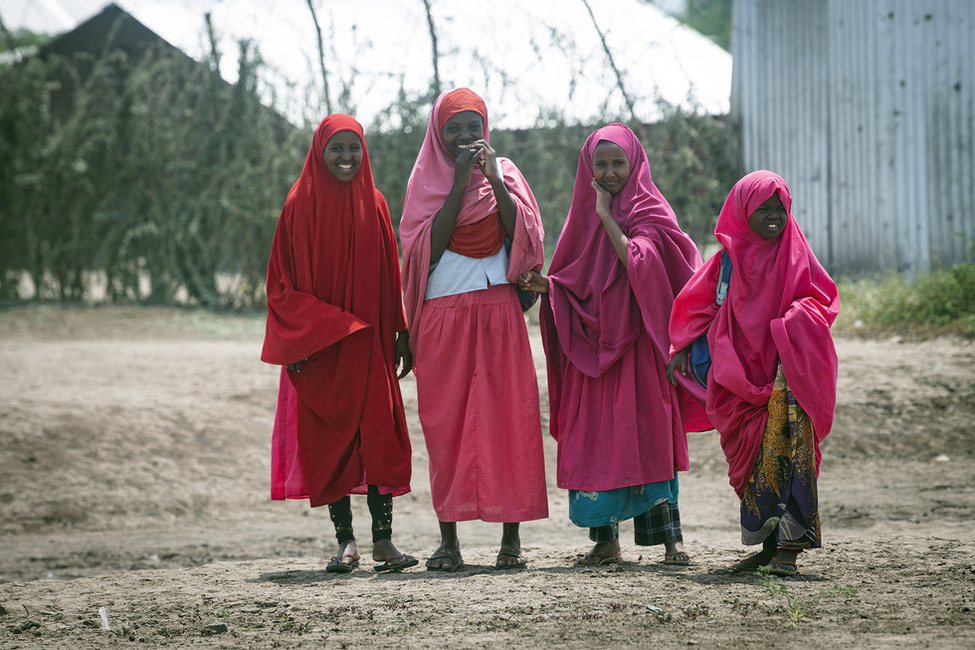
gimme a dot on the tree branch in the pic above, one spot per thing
(321, 56)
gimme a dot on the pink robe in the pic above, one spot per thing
(476, 387)
(780, 306)
(617, 420)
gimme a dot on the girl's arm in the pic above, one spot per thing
(492, 171)
(443, 224)
(613, 230)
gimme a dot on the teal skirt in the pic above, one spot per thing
(595, 509)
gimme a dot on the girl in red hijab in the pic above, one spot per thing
(771, 389)
(619, 263)
(470, 226)
(336, 324)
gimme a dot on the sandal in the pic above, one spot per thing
(786, 568)
(445, 552)
(336, 565)
(510, 551)
(680, 558)
(753, 562)
(597, 559)
(396, 563)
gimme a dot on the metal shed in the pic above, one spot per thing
(866, 108)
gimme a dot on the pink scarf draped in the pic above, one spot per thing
(430, 182)
(599, 307)
(780, 306)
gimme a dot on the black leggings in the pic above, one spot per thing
(380, 507)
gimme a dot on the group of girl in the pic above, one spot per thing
(624, 296)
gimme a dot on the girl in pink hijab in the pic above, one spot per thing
(470, 226)
(620, 426)
(771, 389)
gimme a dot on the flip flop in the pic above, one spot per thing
(446, 553)
(785, 568)
(680, 558)
(404, 562)
(750, 563)
(510, 551)
(597, 559)
(336, 565)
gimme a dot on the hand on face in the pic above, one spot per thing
(603, 199)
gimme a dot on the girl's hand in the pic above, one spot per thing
(533, 281)
(679, 362)
(296, 366)
(487, 160)
(464, 165)
(603, 200)
(403, 356)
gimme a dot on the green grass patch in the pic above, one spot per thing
(940, 303)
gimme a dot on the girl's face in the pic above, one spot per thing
(343, 155)
(610, 166)
(462, 130)
(769, 219)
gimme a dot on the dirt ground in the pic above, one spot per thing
(134, 511)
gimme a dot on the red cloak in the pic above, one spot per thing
(335, 302)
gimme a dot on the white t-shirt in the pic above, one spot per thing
(455, 274)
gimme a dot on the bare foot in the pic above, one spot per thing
(601, 553)
(346, 559)
(390, 558)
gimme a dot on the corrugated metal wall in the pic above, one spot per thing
(866, 108)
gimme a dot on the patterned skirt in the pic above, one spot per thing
(781, 498)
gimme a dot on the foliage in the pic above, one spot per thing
(153, 180)
(153, 171)
(711, 18)
(940, 302)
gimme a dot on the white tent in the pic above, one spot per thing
(528, 58)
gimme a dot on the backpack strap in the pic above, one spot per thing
(725, 280)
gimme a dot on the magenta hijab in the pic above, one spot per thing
(430, 182)
(599, 306)
(780, 305)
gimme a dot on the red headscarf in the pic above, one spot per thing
(430, 182)
(334, 299)
(780, 305)
(600, 307)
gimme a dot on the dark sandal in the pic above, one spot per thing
(753, 562)
(510, 551)
(336, 565)
(680, 558)
(597, 559)
(403, 561)
(445, 552)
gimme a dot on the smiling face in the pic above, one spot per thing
(343, 155)
(769, 219)
(610, 166)
(461, 130)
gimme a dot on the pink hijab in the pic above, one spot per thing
(430, 182)
(780, 306)
(599, 307)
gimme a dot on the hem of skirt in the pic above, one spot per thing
(492, 518)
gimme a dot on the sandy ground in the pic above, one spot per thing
(134, 482)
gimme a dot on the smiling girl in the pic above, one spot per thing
(336, 324)
(470, 226)
(621, 428)
(771, 389)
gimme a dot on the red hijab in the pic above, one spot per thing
(780, 305)
(334, 298)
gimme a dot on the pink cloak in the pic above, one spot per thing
(780, 306)
(617, 420)
(476, 387)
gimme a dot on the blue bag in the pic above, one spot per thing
(700, 356)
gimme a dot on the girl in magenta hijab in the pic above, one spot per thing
(470, 226)
(771, 389)
(620, 426)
